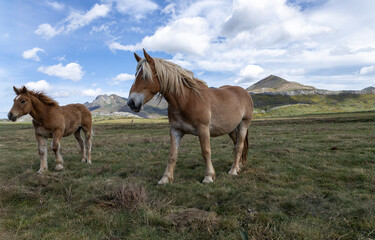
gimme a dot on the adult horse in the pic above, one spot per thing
(53, 121)
(193, 108)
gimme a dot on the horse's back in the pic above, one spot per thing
(229, 95)
(78, 112)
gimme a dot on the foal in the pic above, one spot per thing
(53, 121)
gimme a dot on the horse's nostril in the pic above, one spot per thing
(131, 104)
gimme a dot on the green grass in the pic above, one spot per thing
(282, 106)
(306, 178)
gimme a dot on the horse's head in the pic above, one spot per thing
(21, 104)
(146, 83)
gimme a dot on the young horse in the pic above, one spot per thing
(194, 108)
(52, 121)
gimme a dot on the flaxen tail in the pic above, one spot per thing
(245, 149)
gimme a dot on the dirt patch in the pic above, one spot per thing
(193, 218)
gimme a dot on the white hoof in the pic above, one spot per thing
(233, 172)
(59, 167)
(207, 179)
(88, 161)
(83, 160)
(164, 180)
(41, 171)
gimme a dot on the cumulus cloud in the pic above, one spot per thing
(74, 21)
(250, 73)
(71, 71)
(122, 77)
(137, 9)
(366, 70)
(187, 35)
(41, 85)
(32, 54)
(56, 5)
(92, 92)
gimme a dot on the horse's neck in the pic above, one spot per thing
(179, 102)
(39, 110)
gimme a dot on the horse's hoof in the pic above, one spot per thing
(59, 167)
(83, 160)
(164, 180)
(207, 179)
(233, 172)
(88, 161)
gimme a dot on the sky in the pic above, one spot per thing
(76, 50)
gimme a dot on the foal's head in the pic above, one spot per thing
(21, 104)
(146, 84)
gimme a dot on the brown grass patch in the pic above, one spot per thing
(193, 218)
(127, 196)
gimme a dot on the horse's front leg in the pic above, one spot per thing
(204, 139)
(57, 135)
(176, 136)
(42, 149)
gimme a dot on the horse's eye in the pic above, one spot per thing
(23, 101)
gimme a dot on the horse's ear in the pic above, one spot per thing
(16, 90)
(149, 59)
(138, 58)
(24, 89)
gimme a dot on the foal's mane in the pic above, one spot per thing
(172, 78)
(43, 98)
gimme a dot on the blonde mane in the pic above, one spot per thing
(173, 79)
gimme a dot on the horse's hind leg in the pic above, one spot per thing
(88, 136)
(241, 134)
(78, 136)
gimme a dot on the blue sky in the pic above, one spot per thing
(75, 50)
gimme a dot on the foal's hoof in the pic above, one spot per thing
(59, 167)
(207, 179)
(41, 171)
(164, 180)
(233, 172)
(84, 160)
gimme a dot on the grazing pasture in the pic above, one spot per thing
(305, 178)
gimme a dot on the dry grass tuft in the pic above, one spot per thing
(127, 196)
(193, 218)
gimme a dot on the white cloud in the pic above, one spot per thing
(71, 71)
(250, 73)
(41, 85)
(122, 77)
(74, 21)
(32, 54)
(56, 5)
(47, 31)
(92, 92)
(366, 70)
(187, 35)
(137, 9)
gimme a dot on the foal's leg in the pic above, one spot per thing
(78, 136)
(176, 137)
(42, 148)
(88, 142)
(238, 148)
(57, 135)
(204, 139)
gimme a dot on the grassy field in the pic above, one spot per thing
(306, 178)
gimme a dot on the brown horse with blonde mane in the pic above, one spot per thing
(194, 108)
(53, 121)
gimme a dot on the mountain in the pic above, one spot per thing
(274, 83)
(116, 105)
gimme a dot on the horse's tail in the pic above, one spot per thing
(245, 149)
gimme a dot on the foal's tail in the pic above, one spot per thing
(245, 149)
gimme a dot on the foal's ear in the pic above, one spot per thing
(148, 57)
(16, 90)
(138, 58)
(24, 89)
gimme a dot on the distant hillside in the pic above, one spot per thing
(116, 105)
(276, 84)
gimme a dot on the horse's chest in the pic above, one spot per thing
(42, 131)
(184, 126)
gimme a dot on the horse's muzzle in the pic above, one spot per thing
(133, 107)
(12, 117)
